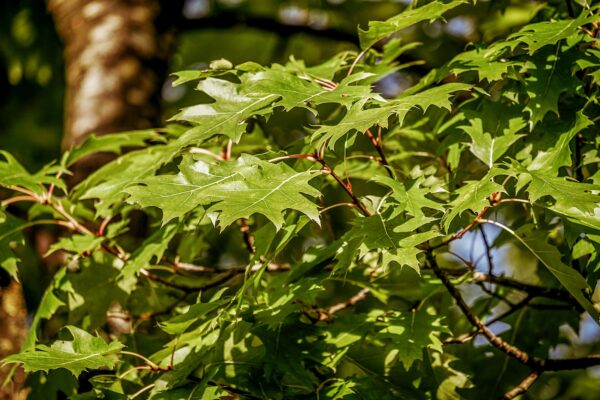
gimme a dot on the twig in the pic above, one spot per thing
(496, 341)
(17, 199)
(523, 386)
(347, 188)
(376, 141)
(188, 289)
(103, 226)
(199, 150)
(488, 252)
(537, 364)
(248, 239)
(356, 60)
(462, 232)
(292, 156)
(227, 152)
(178, 265)
(336, 205)
(533, 290)
(360, 296)
(468, 336)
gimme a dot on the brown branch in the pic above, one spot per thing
(358, 297)
(468, 336)
(488, 252)
(376, 141)
(17, 199)
(347, 188)
(538, 365)
(248, 238)
(570, 363)
(229, 20)
(496, 341)
(188, 289)
(533, 290)
(523, 386)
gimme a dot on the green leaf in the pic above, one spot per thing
(195, 75)
(566, 193)
(546, 33)
(493, 131)
(12, 173)
(487, 63)
(294, 91)
(179, 324)
(407, 334)
(96, 274)
(78, 244)
(378, 30)
(108, 182)
(395, 237)
(281, 301)
(48, 306)
(236, 189)
(226, 116)
(536, 242)
(113, 143)
(547, 79)
(10, 236)
(551, 160)
(152, 248)
(473, 196)
(84, 352)
(359, 118)
(412, 200)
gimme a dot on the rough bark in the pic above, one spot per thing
(12, 334)
(116, 54)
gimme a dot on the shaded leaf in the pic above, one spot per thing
(84, 352)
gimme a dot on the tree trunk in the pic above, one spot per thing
(116, 54)
(13, 328)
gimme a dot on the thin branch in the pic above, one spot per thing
(533, 290)
(187, 289)
(293, 156)
(336, 205)
(17, 199)
(462, 232)
(199, 150)
(228, 20)
(488, 251)
(178, 265)
(468, 336)
(358, 297)
(248, 238)
(496, 341)
(227, 152)
(523, 386)
(376, 141)
(347, 188)
(148, 362)
(24, 191)
(356, 60)
(538, 364)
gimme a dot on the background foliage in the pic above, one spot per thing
(341, 224)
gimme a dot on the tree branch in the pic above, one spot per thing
(496, 341)
(533, 290)
(358, 297)
(523, 386)
(346, 187)
(228, 20)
